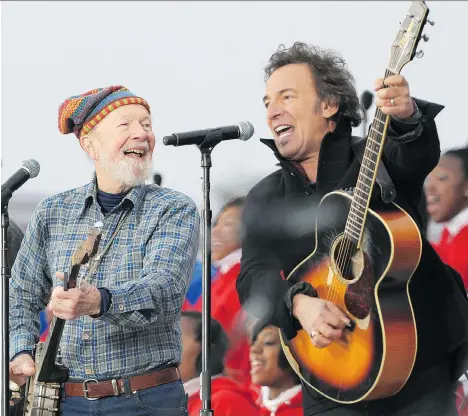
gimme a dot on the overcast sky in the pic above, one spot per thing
(200, 65)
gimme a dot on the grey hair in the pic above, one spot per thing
(333, 81)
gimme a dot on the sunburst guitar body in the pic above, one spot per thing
(370, 283)
(363, 262)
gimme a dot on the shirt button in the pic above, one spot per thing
(121, 307)
(88, 371)
(287, 402)
(86, 335)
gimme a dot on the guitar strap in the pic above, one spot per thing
(387, 188)
(97, 259)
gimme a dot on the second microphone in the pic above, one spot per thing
(242, 131)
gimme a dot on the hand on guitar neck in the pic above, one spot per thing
(21, 368)
(321, 319)
(73, 303)
(393, 97)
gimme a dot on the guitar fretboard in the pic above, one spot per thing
(367, 175)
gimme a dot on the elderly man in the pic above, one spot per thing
(123, 322)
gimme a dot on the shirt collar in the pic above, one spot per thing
(135, 196)
(459, 221)
(226, 263)
(273, 404)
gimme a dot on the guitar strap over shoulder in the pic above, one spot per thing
(387, 188)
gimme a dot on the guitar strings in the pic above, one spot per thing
(344, 258)
(347, 245)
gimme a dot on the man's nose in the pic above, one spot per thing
(274, 110)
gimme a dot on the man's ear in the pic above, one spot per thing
(87, 145)
(328, 108)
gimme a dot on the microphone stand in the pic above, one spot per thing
(5, 282)
(206, 147)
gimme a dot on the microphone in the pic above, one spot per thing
(242, 131)
(30, 169)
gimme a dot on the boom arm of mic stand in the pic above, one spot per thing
(211, 140)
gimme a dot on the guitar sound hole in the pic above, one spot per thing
(348, 260)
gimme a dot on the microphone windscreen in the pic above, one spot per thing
(32, 167)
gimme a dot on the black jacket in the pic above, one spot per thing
(279, 222)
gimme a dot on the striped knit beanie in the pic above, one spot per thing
(80, 113)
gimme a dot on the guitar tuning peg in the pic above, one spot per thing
(419, 54)
(425, 38)
(431, 22)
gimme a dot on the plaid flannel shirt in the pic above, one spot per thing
(147, 270)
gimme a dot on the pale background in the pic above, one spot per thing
(200, 65)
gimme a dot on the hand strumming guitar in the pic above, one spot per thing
(321, 319)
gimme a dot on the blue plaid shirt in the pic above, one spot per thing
(147, 270)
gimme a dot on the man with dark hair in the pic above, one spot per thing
(311, 106)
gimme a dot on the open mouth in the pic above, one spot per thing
(135, 153)
(432, 203)
(284, 130)
(256, 365)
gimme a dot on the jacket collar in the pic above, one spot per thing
(335, 157)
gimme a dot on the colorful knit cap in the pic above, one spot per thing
(80, 113)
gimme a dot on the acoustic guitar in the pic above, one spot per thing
(363, 262)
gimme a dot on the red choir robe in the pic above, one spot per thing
(227, 310)
(453, 244)
(228, 398)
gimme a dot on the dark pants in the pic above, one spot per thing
(164, 400)
(430, 392)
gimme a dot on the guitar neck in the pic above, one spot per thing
(403, 51)
(367, 174)
(51, 345)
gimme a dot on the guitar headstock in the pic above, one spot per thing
(410, 33)
(87, 248)
(86, 251)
